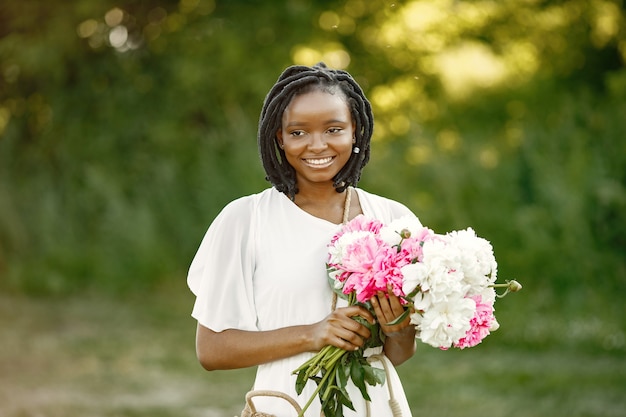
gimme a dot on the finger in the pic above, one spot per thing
(357, 328)
(384, 313)
(389, 309)
(385, 309)
(348, 334)
(355, 338)
(378, 309)
(395, 305)
(359, 311)
(345, 319)
(394, 301)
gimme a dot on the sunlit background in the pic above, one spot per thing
(125, 126)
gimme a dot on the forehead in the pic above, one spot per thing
(317, 102)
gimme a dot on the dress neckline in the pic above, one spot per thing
(351, 192)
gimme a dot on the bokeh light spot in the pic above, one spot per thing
(448, 140)
(303, 55)
(188, 6)
(114, 17)
(480, 69)
(87, 28)
(118, 36)
(329, 20)
(399, 124)
(418, 155)
(332, 54)
(489, 158)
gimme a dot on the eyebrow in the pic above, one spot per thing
(328, 122)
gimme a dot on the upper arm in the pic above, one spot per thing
(221, 274)
(207, 347)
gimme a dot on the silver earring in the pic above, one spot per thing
(356, 149)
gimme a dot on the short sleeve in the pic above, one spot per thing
(220, 275)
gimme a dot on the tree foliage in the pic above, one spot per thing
(126, 125)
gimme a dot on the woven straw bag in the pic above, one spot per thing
(250, 410)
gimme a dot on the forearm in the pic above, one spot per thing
(400, 346)
(233, 349)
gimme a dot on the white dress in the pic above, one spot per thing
(261, 266)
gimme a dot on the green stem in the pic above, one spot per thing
(326, 359)
(511, 286)
(315, 360)
(352, 298)
(329, 356)
(316, 392)
(338, 354)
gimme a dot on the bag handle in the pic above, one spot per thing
(267, 393)
(346, 217)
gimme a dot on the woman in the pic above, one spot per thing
(259, 276)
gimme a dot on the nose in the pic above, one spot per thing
(317, 142)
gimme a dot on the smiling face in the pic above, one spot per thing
(317, 134)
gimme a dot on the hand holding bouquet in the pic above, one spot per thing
(446, 283)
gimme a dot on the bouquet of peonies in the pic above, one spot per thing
(447, 283)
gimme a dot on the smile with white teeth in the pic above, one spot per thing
(320, 161)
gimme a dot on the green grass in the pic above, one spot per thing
(489, 381)
(134, 356)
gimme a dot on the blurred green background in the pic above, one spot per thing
(125, 126)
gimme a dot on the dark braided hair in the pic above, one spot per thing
(296, 80)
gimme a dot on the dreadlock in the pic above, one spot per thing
(297, 80)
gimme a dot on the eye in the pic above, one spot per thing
(335, 130)
(297, 133)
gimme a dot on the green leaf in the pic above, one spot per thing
(342, 381)
(357, 374)
(338, 411)
(400, 318)
(374, 375)
(342, 375)
(344, 399)
(413, 293)
(332, 408)
(301, 381)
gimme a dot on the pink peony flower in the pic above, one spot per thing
(359, 223)
(372, 267)
(481, 324)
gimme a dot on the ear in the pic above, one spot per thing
(279, 138)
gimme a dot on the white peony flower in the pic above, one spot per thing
(422, 302)
(477, 260)
(391, 233)
(444, 275)
(413, 275)
(446, 322)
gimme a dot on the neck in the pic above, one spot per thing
(323, 202)
(318, 194)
